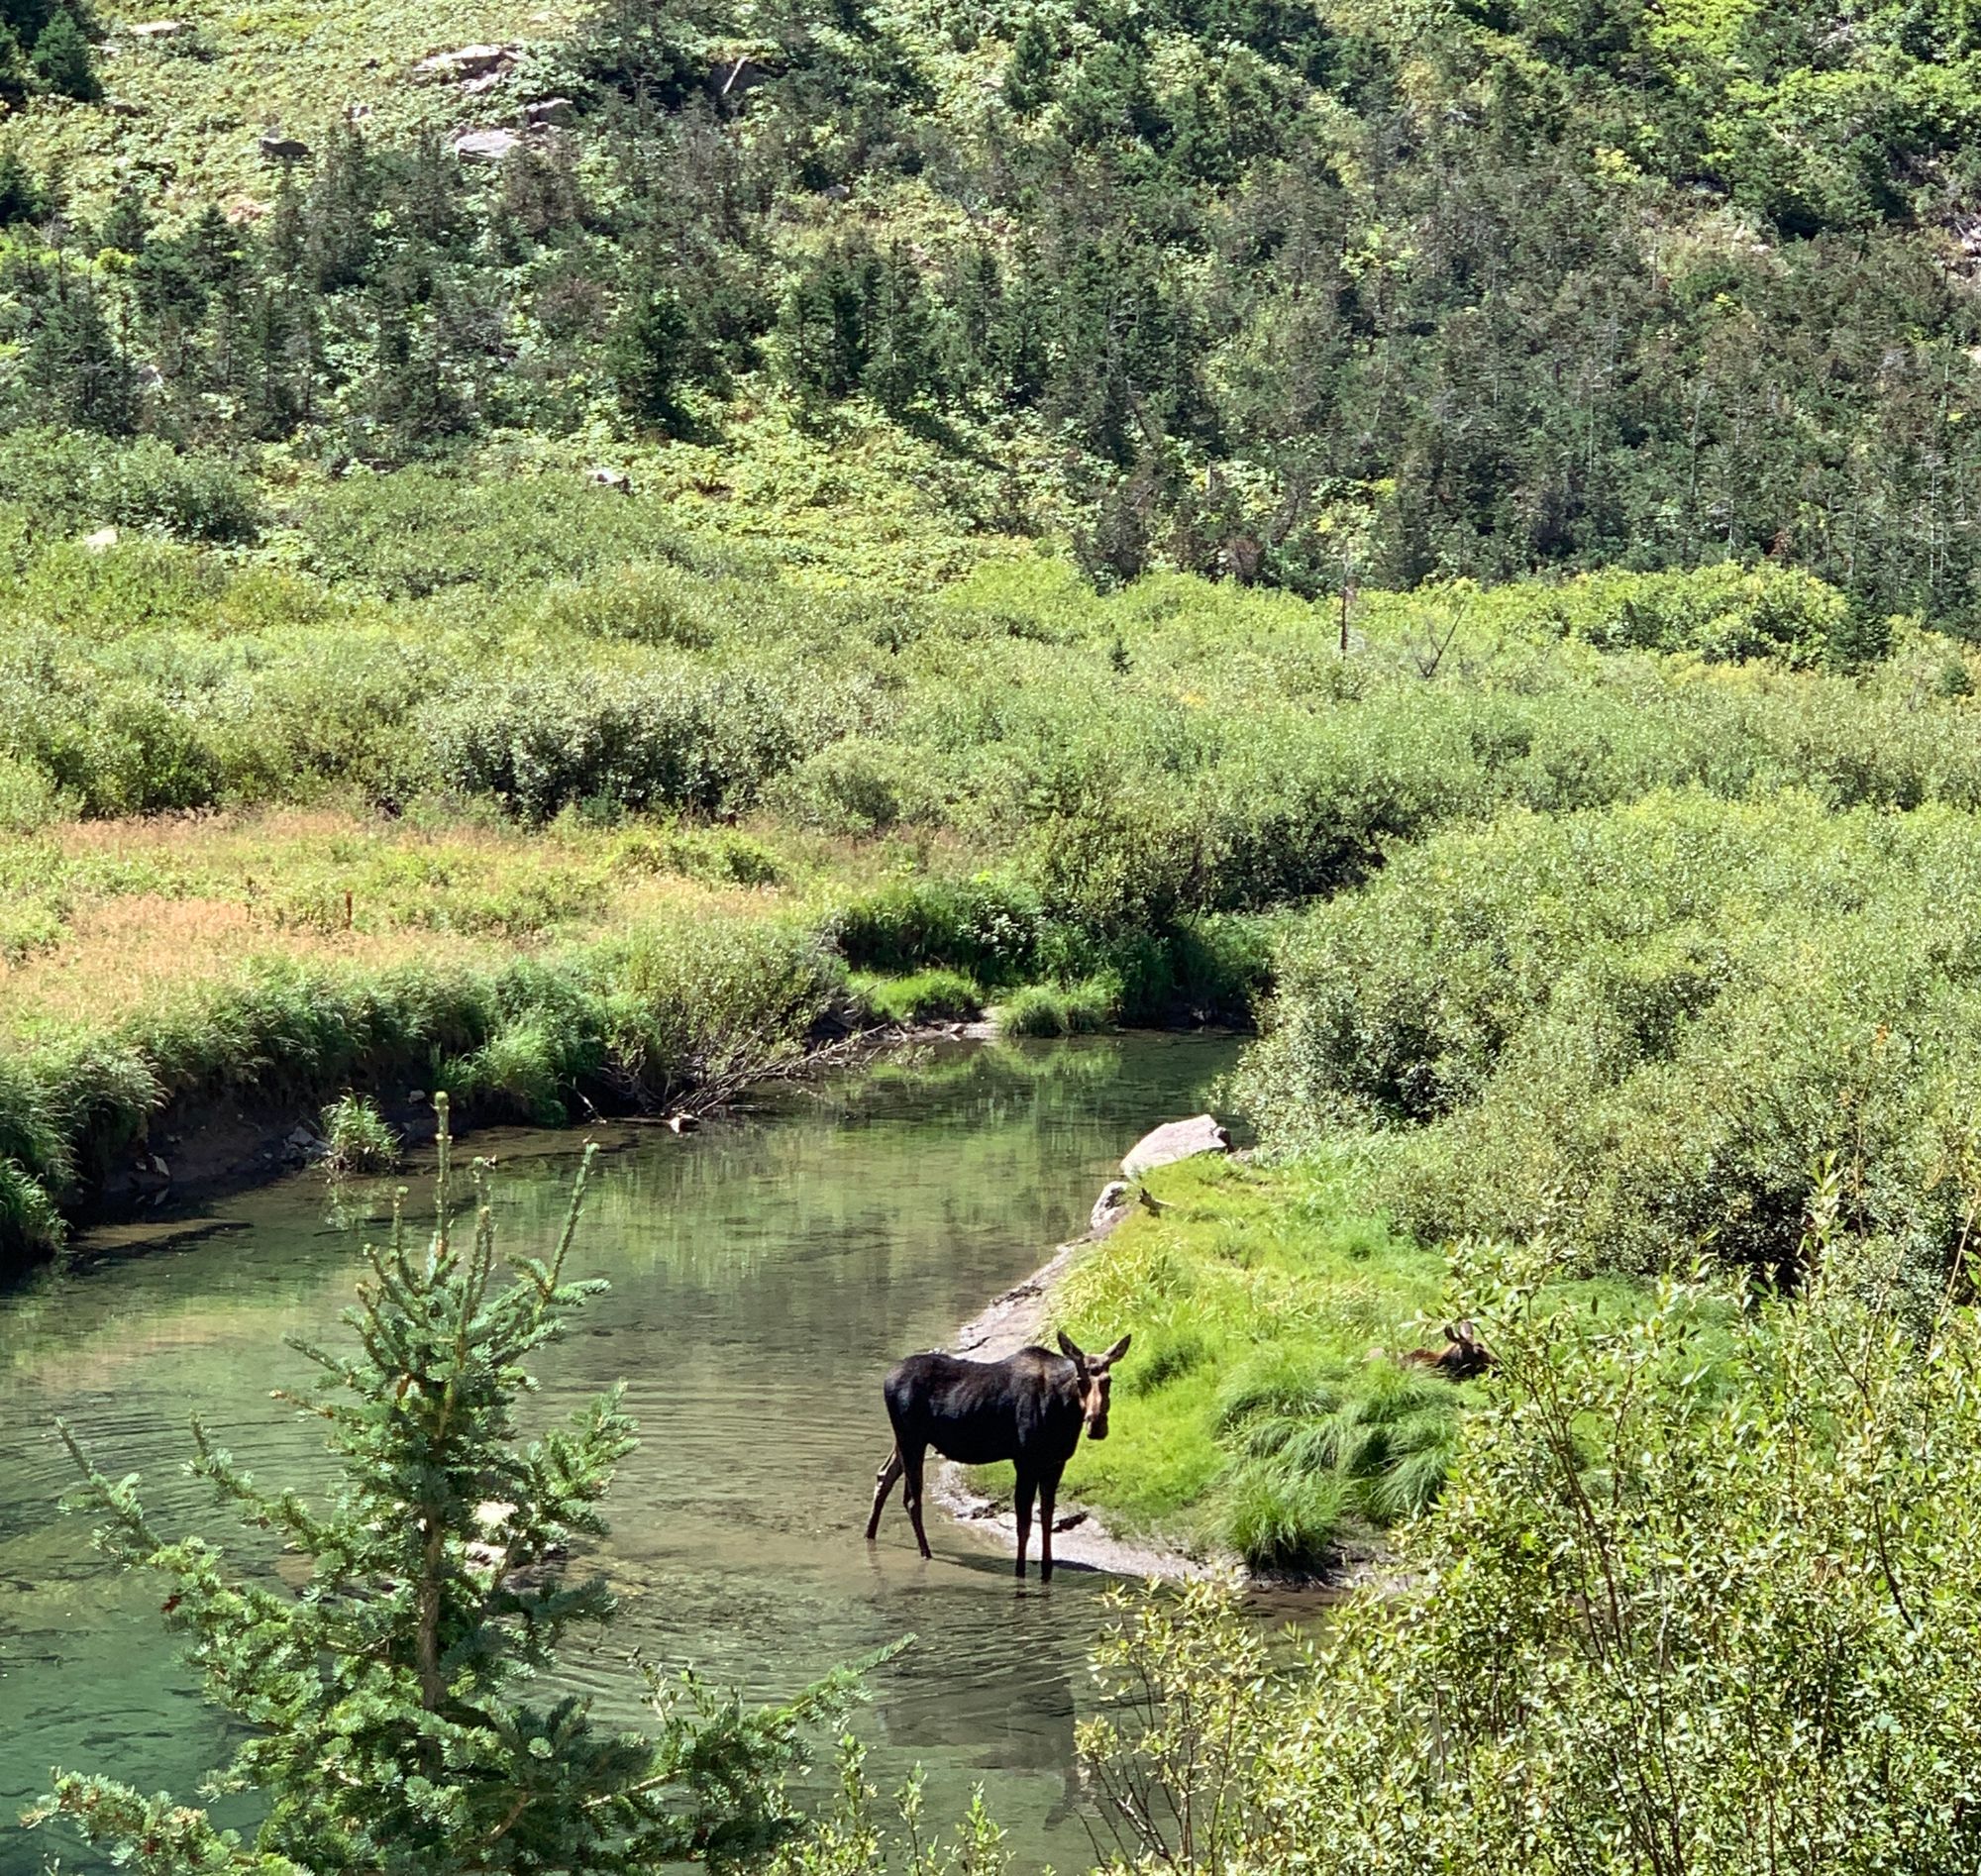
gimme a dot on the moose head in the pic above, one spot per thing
(1464, 1357)
(1091, 1378)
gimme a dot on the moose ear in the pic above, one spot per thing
(1454, 1332)
(1465, 1331)
(1069, 1349)
(1115, 1353)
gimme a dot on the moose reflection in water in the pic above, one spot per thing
(1028, 1409)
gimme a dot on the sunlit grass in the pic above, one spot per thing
(109, 916)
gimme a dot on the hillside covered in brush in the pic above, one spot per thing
(1299, 294)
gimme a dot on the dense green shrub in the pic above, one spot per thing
(1633, 1030)
(1674, 1540)
(988, 927)
(419, 531)
(661, 738)
(67, 481)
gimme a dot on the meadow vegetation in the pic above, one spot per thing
(1443, 536)
(488, 734)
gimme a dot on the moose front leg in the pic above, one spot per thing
(1048, 1496)
(1027, 1485)
(884, 1483)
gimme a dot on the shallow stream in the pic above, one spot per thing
(763, 1273)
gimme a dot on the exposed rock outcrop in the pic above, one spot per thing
(1177, 1140)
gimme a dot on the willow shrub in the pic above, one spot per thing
(1703, 1593)
(1632, 1030)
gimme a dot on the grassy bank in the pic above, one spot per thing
(656, 1015)
(1265, 1410)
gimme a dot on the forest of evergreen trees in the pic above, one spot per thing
(1293, 294)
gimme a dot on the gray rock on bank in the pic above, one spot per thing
(1109, 1208)
(1176, 1140)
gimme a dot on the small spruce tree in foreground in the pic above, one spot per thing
(394, 1715)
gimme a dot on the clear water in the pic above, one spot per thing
(764, 1273)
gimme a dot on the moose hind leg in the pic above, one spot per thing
(912, 1466)
(1026, 1487)
(1048, 1494)
(884, 1483)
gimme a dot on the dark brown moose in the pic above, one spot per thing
(1028, 1409)
(1462, 1358)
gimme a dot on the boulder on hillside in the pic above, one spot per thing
(467, 61)
(617, 481)
(485, 146)
(1176, 1140)
(157, 29)
(545, 113)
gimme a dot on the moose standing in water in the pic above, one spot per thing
(1028, 1409)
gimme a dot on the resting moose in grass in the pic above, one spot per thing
(1028, 1409)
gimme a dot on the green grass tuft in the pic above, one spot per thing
(356, 1138)
(1048, 1010)
(927, 996)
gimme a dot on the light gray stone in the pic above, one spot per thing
(547, 112)
(484, 146)
(1177, 1140)
(467, 61)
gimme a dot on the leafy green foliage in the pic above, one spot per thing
(1694, 1594)
(387, 1703)
(1633, 1030)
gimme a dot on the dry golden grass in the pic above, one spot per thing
(131, 953)
(156, 905)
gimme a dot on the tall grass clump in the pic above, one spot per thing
(1052, 1010)
(356, 1138)
(927, 996)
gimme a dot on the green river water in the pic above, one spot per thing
(764, 1273)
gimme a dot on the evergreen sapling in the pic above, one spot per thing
(393, 1706)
